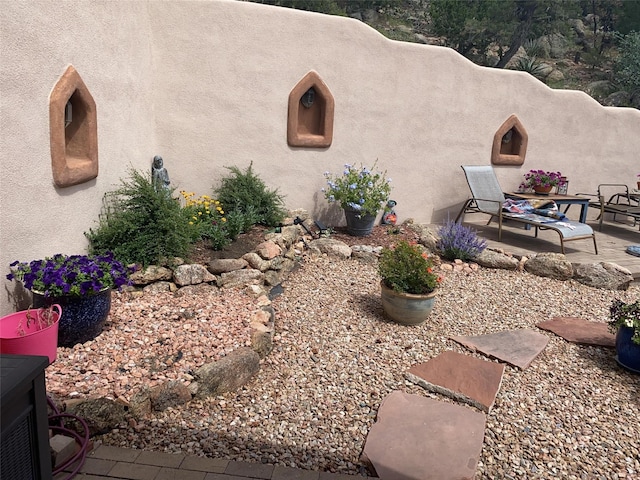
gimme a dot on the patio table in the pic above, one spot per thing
(567, 200)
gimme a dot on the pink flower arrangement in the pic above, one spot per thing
(535, 178)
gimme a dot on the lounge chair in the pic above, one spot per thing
(487, 197)
(620, 202)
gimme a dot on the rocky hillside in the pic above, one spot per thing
(560, 61)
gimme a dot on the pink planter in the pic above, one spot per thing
(18, 338)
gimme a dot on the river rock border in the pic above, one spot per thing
(266, 267)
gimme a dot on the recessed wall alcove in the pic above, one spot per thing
(311, 108)
(73, 131)
(510, 143)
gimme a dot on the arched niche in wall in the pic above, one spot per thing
(510, 143)
(311, 108)
(73, 131)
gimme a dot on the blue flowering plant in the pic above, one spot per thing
(361, 189)
(71, 275)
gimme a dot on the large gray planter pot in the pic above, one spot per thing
(358, 225)
(406, 308)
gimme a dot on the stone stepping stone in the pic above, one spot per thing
(516, 347)
(579, 330)
(416, 437)
(461, 377)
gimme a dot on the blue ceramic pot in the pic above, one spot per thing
(358, 225)
(628, 352)
(82, 317)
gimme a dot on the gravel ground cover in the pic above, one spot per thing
(572, 414)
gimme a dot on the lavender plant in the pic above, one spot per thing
(74, 275)
(458, 241)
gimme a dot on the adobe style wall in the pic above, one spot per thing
(206, 85)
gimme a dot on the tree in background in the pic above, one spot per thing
(628, 63)
(474, 27)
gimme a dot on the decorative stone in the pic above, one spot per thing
(461, 377)
(551, 265)
(153, 273)
(332, 248)
(256, 262)
(579, 330)
(604, 275)
(414, 435)
(268, 250)
(516, 347)
(240, 278)
(227, 374)
(169, 394)
(223, 265)
(195, 289)
(101, 414)
(492, 259)
(192, 275)
(161, 286)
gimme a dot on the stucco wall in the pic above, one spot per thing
(206, 84)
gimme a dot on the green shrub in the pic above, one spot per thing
(246, 194)
(141, 224)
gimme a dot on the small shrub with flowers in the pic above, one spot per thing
(459, 242)
(541, 178)
(207, 218)
(358, 188)
(408, 268)
(72, 275)
(625, 315)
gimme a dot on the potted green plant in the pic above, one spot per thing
(80, 284)
(408, 282)
(625, 323)
(361, 192)
(541, 181)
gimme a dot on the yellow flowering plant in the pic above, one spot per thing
(207, 217)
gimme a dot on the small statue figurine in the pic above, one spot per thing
(159, 174)
(389, 216)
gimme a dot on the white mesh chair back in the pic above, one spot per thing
(484, 186)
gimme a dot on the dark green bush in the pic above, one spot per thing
(246, 194)
(141, 224)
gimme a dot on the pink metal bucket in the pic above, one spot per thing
(20, 335)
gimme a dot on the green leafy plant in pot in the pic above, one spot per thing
(408, 283)
(80, 284)
(361, 192)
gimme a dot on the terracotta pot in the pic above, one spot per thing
(542, 190)
(406, 308)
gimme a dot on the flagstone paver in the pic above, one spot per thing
(516, 347)
(461, 377)
(416, 437)
(579, 330)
